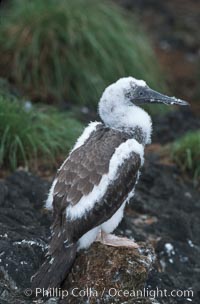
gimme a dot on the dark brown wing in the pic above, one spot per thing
(113, 198)
(85, 167)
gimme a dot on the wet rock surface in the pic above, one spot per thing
(174, 125)
(24, 232)
(24, 228)
(164, 213)
(166, 210)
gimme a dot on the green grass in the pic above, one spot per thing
(71, 50)
(158, 109)
(39, 133)
(6, 89)
(186, 153)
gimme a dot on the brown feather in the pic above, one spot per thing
(86, 165)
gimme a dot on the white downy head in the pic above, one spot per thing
(119, 105)
(117, 110)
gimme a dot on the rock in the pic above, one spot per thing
(106, 274)
(174, 125)
(24, 232)
(24, 229)
(165, 212)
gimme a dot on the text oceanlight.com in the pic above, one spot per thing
(112, 292)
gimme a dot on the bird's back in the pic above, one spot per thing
(87, 164)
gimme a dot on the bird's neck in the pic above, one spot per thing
(129, 119)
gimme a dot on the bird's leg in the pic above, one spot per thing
(115, 241)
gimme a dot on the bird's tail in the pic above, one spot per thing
(55, 268)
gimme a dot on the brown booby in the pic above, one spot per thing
(91, 188)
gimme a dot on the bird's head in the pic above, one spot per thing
(129, 91)
(119, 106)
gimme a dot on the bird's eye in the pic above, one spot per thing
(140, 93)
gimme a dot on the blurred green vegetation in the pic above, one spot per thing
(71, 50)
(30, 133)
(186, 153)
(157, 109)
(6, 89)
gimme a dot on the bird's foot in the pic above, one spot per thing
(115, 241)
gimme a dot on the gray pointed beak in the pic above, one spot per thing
(147, 95)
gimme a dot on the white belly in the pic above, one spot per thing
(88, 238)
(109, 226)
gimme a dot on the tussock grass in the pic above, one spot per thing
(186, 153)
(6, 89)
(71, 50)
(35, 133)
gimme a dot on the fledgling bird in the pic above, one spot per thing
(91, 188)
